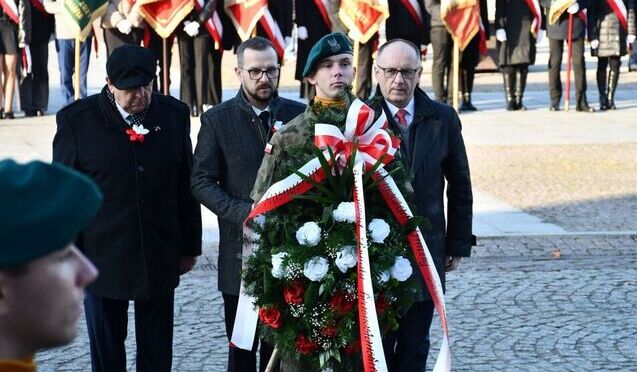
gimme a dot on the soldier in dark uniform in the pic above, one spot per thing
(408, 24)
(557, 33)
(200, 58)
(609, 42)
(311, 27)
(281, 11)
(34, 88)
(516, 47)
(443, 46)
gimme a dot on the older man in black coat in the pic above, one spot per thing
(135, 145)
(230, 148)
(433, 148)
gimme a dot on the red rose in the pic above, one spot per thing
(381, 304)
(304, 345)
(341, 304)
(270, 316)
(329, 332)
(352, 348)
(293, 293)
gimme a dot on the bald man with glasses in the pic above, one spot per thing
(433, 149)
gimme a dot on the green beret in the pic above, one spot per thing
(329, 45)
(43, 207)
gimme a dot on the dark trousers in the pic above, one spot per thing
(556, 49)
(107, 322)
(34, 89)
(363, 86)
(66, 61)
(240, 360)
(443, 45)
(407, 348)
(113, 38)
(200, 66)
(156, 45)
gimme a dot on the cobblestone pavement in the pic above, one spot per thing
(519, 304)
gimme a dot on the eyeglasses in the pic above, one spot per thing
(391, 72)
(257, 73)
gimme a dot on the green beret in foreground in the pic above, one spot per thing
(43, 207)
(329, 45)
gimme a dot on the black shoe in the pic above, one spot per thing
(29, 113)
(194, 111)
(554, 107)
(584, 107)
(39, 113)
(8, 115)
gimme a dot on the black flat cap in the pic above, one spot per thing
(130, 66)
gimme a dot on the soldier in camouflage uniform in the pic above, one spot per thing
(330, 70)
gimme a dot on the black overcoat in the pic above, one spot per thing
(438, 156)
(308, 16)
(515, 17)
(230, 148)
(604, 26)
(148, 219)
(401, 23)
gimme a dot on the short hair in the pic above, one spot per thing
(399, 40)
(254, 43)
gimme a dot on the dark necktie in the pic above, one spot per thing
(265, 120)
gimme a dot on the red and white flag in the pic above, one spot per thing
(534, 6)
(462, 19)
(619, 9)
(363, 17)
(415, 12)
(245, 14)
(324, 9)
(213, 24)
(273, 31)
(11, 10)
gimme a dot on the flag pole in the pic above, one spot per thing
(355, 62)
(164, 67)
(76, 76)
(567, 99)
(456, 72)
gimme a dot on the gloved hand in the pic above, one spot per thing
(540, 36)
(501, 35)
(288, 41)
(124, 26)
(191, 28)
(630, 39)
(302, 32)
(594, 44)
(573, 8)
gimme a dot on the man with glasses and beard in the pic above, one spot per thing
(230, 147)
(433, 148)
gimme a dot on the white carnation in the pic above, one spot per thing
(315, 268)
(401, 270)
(278, 268)
(309, 234)
(345, 212)
(383, 277)
(346, 258)
(378, 230)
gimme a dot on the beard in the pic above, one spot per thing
(261, 93)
